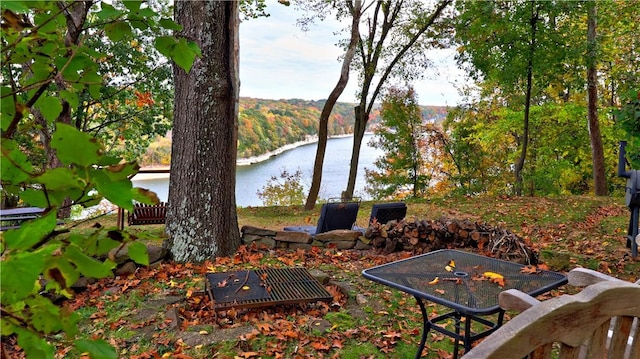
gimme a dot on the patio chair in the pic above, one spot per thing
(602, 321)
(333, 215)
(385, 212)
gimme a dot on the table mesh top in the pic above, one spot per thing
(462, 286)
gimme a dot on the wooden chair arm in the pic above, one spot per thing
(583, 277)
(514, 299)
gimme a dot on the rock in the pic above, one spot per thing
(320, 276)
(125, 269)
(293, 237)
(248, 238)
(193, 337)
(338, 235)
(82, 283)
(172, 315)
(156, 253)
(257, 231)
(361, 299)
(360, 245)
(121, 255)
(295, 246)
(267, 242)
(340, 244)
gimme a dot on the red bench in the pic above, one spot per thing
(148, 214)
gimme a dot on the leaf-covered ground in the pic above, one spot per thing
(164, 312)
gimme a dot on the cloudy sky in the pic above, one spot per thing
(280, 61)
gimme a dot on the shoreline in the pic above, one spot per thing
(241, 161)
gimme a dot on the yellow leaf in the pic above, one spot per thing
(435, 281)
(203, 332)
(492, 275)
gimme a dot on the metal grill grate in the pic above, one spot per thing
(282, 286)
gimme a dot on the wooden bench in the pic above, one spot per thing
(602, 321)
(147, 214)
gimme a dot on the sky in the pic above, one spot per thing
(280, 61)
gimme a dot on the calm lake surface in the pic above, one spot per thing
(252, 178)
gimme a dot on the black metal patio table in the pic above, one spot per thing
(461, 285)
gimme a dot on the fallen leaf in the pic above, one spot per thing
(492, 275)
(435, 281)
(440, 291)
(529, 270)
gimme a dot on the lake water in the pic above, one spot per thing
(252, 178)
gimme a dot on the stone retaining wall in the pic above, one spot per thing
(340, 239)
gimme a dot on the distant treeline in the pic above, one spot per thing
(265, 125)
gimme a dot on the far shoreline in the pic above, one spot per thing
(240, 162)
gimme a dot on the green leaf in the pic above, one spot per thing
(34, 197)
(117, 192)
(19, 275)
(138, 252)
(145, 196)
(60, 178)
(50, 107)
(8, 108)
(71, 97)
(132, 5)
(34, 346)
(183, 55)
(118, 31)
(73, 146)
(60, 270)
(169, 24)
(122, 171)
(45, 316)
(15, 166)
(97, 349)
(89, 266)
(165, 45)
(108, 11)
(31, 232)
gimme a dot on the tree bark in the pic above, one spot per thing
(519, 165)
(323, 123)
(597, 151)
(201, 219)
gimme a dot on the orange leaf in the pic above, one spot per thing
(264, 327)
(498, 281)
(529, 270)
(441, 291)
(247, 355)
(319, 346)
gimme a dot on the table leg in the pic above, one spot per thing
(426, 325)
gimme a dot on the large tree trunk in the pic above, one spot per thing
(201, 219)
(355, 9)
(597, 152)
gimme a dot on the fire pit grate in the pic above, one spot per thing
(264, 287)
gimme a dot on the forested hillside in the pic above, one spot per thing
(265, 125)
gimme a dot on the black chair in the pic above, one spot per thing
(333, 215)
(385, 212)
